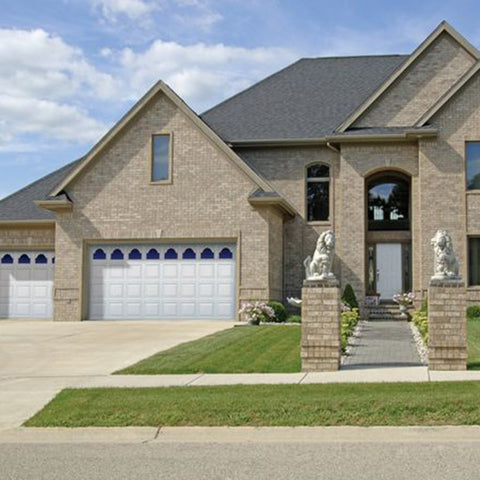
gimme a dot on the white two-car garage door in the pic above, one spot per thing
(161, 281)
(26, 282)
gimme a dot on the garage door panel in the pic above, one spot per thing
(169, 309)
(170, 290)
(187, 289)
(115, 290)
(168, 281)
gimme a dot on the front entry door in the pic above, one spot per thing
(389, 269)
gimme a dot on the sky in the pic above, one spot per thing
(69, 69)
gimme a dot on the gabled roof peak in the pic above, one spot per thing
(443, 27)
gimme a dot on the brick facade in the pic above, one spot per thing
(447, 344)
(321, 342)
(207, 200)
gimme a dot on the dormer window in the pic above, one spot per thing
(161, 157)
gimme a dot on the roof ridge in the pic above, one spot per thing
(341, 57)
(249, 88)
(41, 179)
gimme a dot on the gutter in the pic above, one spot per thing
(407, 135)
(26, 223)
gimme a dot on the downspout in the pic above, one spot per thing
(331, 147)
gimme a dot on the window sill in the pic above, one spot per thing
(320, 223)
(473, 192)
(161, 182)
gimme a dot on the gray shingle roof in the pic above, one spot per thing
(20, 205)
(308, 99)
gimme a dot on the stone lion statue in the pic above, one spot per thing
(320, 266)
(446, 263)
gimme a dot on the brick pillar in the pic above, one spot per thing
(321, 344)
(447, 325)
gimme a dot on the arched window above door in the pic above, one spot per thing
(388, 197)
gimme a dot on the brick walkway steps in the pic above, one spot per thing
(384, 311)
(383, 343)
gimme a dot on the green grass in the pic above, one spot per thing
(264, 349)
(474, 344)
(266, 405)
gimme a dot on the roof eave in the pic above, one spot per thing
(277, 202)
(277, 142)
(55, 205)
(27, 223)
(407, 136)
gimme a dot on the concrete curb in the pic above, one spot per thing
(142, 435)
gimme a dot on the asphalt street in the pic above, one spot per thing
(242, 460)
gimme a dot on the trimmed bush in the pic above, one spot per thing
(294, 319)
(280, 312)
(349, 297)
(348, 322)
(473, 311)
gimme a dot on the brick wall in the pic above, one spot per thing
(321, 342)
(420, 86)
(447, 344)
(285, 169)
(114, 199)
(25, 237)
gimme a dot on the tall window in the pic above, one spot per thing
(318, 193)
(388, 203)
(160, 157)
(472, 154)
(474, 261)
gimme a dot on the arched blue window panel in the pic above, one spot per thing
(152, 254)
(98, 255)
(226, 253)
(135, 254)
(171, 254)
(41, 259)
(53, 259)
(7, 258)
(189, 254)
(117, 254)
(207, 253)
(24, 258)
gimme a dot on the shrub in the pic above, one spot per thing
(294, 319)
(257, 312)
(348, 322)
(473, 311)
(279, 310)
(349, 297)
(420, 320)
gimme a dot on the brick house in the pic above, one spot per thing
(174, 215)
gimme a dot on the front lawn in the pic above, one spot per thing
(264, 349)
(474, 344)
(266, 405)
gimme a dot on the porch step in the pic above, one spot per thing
(384, 312)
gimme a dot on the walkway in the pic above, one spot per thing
(383, 344)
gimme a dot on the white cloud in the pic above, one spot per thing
(133, 9)
(43, 83)
(201, 74)
(58, 121)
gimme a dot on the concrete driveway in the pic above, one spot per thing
(39, 358)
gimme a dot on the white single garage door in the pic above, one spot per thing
(161, 281)
(26, 283)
